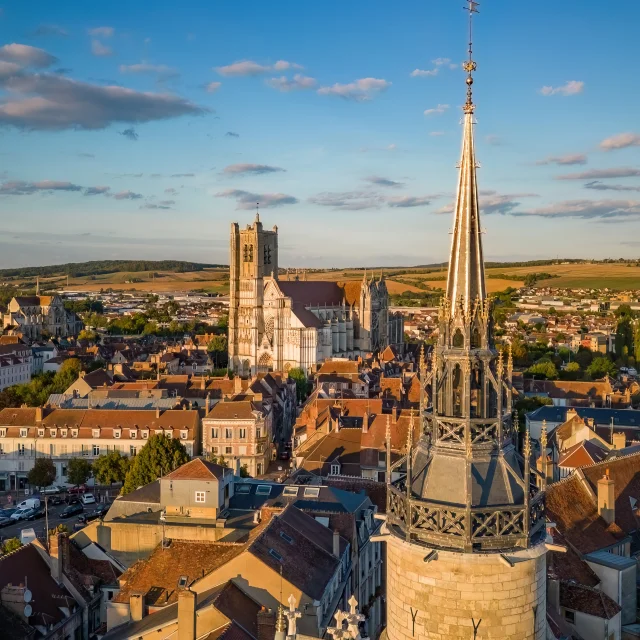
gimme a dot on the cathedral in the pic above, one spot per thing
(278, 324)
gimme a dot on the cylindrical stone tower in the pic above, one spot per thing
(466, 556)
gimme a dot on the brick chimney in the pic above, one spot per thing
(207, 404)
(619, 441)
(57, 551)
(394, 413)
(157, 412)
(266, 624)
(606, 498)
(336, 543)
(365, 421)
(136, 606)
(39, 413)
(187, 615)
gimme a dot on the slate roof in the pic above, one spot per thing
(588, 600)
(582, 454)
(313, 292)
(621, 417)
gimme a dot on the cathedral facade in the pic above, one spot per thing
(37, 317)
(279, 324)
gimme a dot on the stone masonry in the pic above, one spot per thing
(444, 599)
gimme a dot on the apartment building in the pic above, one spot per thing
(15, 364)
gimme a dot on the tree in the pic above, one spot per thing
(78, 471)
(601, 367)
(244, 471)
(217, 348)
(583, 357)
(528, 404)
(302, 386)
(43, 473)
(159, 456)
(10, 545)
(67, 374)
(571, 372)
(111, 468)
(87, 334)
(61, 528)
(545, 370)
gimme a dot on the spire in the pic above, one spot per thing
(466, 281)
(257, 212)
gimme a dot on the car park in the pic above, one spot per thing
(56, 499)
(71, 510)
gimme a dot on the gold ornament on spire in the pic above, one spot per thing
(469, 65)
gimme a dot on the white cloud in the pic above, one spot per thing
(252, 68)
(598, 174)
(360, 90)
(402, 202)
(587, 209)
(253, 169)
(212, 87)
(621, 141)
(493, 202)
(437, 111)
(247, 200)
(127, 195)
(299, 82)
(283, 65)
(570, 159)
(384, 182)
(100, 50)
(25, 55)
(161, 70)
(601, 186)
(439, 62)
(570, 88)
(436, 134)
(422, 73)
(101, 32)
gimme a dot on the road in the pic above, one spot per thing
(38, 525)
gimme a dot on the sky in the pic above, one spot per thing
(143, 129)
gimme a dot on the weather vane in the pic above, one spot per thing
(469, 65)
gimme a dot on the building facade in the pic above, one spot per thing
(16, 362)
(279, 324)
(41, 316)
(465, 545)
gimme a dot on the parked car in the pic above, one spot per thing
(5, 517)
(36, 513)
(88, 498)
(29, 503)
(284, 455)
(79, 489)
(71, 510)
(73, 500)
(54, 488)
(99, 512)
(22, 513)
(54, 500)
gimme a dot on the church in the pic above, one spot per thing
(37, 317)
(279, 324)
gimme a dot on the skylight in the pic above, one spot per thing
(263, 490)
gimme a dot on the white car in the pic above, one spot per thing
(88, 498)
(21, 513)
(54, 488)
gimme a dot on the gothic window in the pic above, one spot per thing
(457, 391)
(476, 392)
(269, 328)
(245, 253)
(476, 342)
(458, 339)
(251, 253)
(267, 254)
(265, 363)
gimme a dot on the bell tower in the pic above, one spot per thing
(254, 257)
(465, 522)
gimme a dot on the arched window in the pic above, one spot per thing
(457, 387)
(265, 363)
(458, 339)
(476, 341)
(477, 409)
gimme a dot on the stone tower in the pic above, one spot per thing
(465, 543)
(254, 256)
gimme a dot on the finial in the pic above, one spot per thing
(470, 66)
(281, 623)
(543, 435)
(527, 442)
(257, 212)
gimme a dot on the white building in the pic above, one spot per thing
(15, 364)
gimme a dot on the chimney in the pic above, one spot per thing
(336, 543)
(237, 384)
(187, 615)
(207, 404)
(606, 498)
(266, 624)
(157, 412)
(365, 421)
(203, 383)
(56, 554)
(136, 606)
(394, 413)
(553, 594)
(619, 441)
(38, 414)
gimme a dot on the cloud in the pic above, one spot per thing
(348, 200)
(164, 204)
(21, 188)
(232, 134)
(437, 111)
(588, 209)
(212, 87)
(621, 141)
(383, 182)
(163, 71)
(96, 191)
(421, 73)
(251, 68)
(298, 83)
(183, 175)
(283, 65)
(571, 88)
(436, 134)
(171, 191)
(601, 186)
(247, 200)
(439, 62)
(494, 202)
(167, 202)
(571, 159)
(100, 50)
(360, 90)
(26, 56)
(8, 69)
(127, 195)
(250, 169)
(493, 140)
(408, 201)
(86, 155)
(49, 30)
(130, 134)
(101, 32)
(49, 102)
(597, 174)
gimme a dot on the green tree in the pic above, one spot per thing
(528, 404)
(67, 374)
(88, 334)
(61, 528)
(217, 349)
(543, 369)
(571, 372)
(78, 471)
(10, 545)
(159, 456)
(111, 468)
(244, 471)
(583, 357)
(601, 367)
(302, 385)
(43, 473)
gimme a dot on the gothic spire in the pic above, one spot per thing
(466, 280)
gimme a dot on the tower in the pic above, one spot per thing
(465, 544)
(254, 256)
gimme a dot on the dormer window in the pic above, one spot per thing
(168, 434)
(95, 433)
(3, 433)
(74, 433)
(116, 433)
(158, 432)
(183, 435)
(144, 434)
(40, 433)
(335, 469)
(23, 433)
(63, 433)
(133, 434)
(53, 432)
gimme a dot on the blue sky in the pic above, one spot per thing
(142, 129)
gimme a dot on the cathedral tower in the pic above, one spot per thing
(254, 256)
(465, 544)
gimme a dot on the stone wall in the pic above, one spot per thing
(444, 598)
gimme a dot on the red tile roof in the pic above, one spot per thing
(197, 469)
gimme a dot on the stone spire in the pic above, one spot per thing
(466, 280)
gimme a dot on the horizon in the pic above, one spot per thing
(157, 134)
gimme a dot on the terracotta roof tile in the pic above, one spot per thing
(197, 469)
(588, 600)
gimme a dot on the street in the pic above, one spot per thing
(38, 525)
